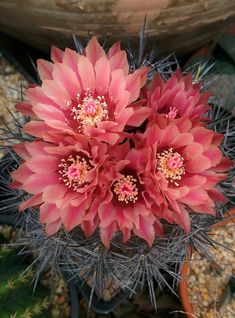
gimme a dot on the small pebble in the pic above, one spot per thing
(207, 281)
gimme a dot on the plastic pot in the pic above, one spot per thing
(185, 270)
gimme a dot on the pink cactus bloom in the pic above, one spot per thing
(89, 94)
(185, 165)
(175, 98)
(62, 180)
(127, 205)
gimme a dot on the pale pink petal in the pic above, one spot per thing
(158, 228)
(94, 50)
(49, 213)
(21, 150)
(122, 103)
(56, 92)
(193, 182)
(38, 129)
(167, 135)
(106, 234)
(25, 108)
(35, 184)
(157, 82)
(217, 139)
(224, 165)
(143, 72)
(102, 75)
(56, 54)
(115, 48)
(106, 214)
(22, 173)
(146, 230)
(216, 195)
(110, 138)
(36, 95)
(204, 209)
(126, 233)
(202, 135)
(89, 227)
(43, 164)
(133, 85)
(182, 140)
(35, 148)
(71, 58)
(45, 69)
(179, 99)
(60, 125)
(117, 85)
(192, 151)
(86, 73)
(183, 219)
(198, 164)
(214, 154)
(139, 116)
(53, 228)
(46, 112)
(119, 61)
(195, 197)
(154, 135)
(123, 117)
(33, 201)
(72, 216)
(67, 78)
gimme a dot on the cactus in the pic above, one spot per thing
(17, 298)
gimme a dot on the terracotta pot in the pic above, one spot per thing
(185, 270)
(173, 25)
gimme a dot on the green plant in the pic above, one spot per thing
(17, 297)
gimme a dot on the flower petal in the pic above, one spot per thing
(56, 54)
(85, 67)
(106, 233)
(45, 69)
(146, 230)
(35, 184)
(102, 75)
(94, 50)
(52, 228)
(49, 213)
(33, 201)
(67, 78)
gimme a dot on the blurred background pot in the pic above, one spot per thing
(185, 273)
(173, 25)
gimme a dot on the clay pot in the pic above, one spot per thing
(185, 270)
(172, 25)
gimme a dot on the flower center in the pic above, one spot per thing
(172, 113)
(90, 111)
(73, 171)
(171, 164)
(126, 189)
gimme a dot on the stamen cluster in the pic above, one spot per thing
(91, 110)
(73, 171)
(171, 164)
(126, 189)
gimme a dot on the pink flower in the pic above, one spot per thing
(185, 165)
(61, 179)
(87, 185)
(89, 94)
(177, 97)
(127, 205)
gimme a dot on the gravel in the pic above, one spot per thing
(209, 281)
